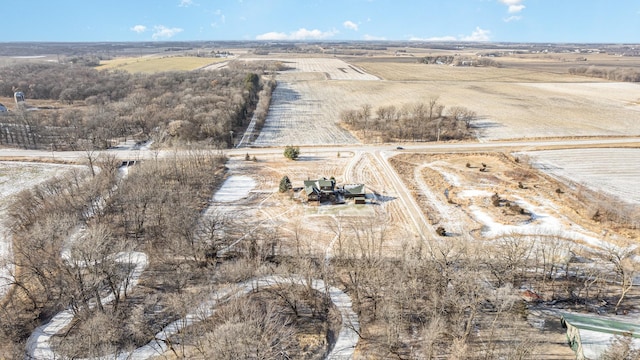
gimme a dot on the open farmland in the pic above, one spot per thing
(613, 171)
(511, 102)
(154, 63)
(302, 113)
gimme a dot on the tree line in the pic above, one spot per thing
(459, 61)
(98, 107)
(422, 121)
(617, 74)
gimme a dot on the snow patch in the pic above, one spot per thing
(448, 177)
(234, 189)
(541, 224)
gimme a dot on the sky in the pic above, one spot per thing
(541, 21)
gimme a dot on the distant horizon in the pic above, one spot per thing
(482, 21)
(452, 42)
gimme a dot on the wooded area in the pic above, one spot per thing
(172, 108)
(422, 121)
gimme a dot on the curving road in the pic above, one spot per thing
(39, 343)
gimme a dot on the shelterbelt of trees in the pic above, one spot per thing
(422, 121)
(91, 108)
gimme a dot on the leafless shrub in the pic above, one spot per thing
(247, 329)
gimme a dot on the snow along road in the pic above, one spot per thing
(39, 343)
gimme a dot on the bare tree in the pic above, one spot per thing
(507, 258)
(365, 116)
(625, 268)
(462, 114)
(250, 330)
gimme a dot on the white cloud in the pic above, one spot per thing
(512, 18)
(300, 34)
(515, 6)
(477, 35)
(162, 32)
(222, 19)
(350, 25)
(185, 3)
(139, 29)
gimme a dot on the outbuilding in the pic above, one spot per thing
(590, 335)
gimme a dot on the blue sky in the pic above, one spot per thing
(611, 21)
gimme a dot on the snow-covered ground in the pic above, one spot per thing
(298, 115)
(612, 170)
(331, 68)
(236, 187)
(39, 346)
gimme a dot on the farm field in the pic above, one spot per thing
(511, 103)
(613, 171)
(154, 63)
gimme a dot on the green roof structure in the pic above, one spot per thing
(590, 335)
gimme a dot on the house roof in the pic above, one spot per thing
(602, 324)
(310, 190)
(596, 332)
(354, 189)
(326, 183)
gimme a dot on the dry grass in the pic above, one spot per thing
(152, 64)
(428, 175)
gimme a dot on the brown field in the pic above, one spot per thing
(151, 64)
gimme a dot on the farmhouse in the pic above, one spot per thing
(324, 189)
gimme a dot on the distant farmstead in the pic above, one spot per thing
(323, 190)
